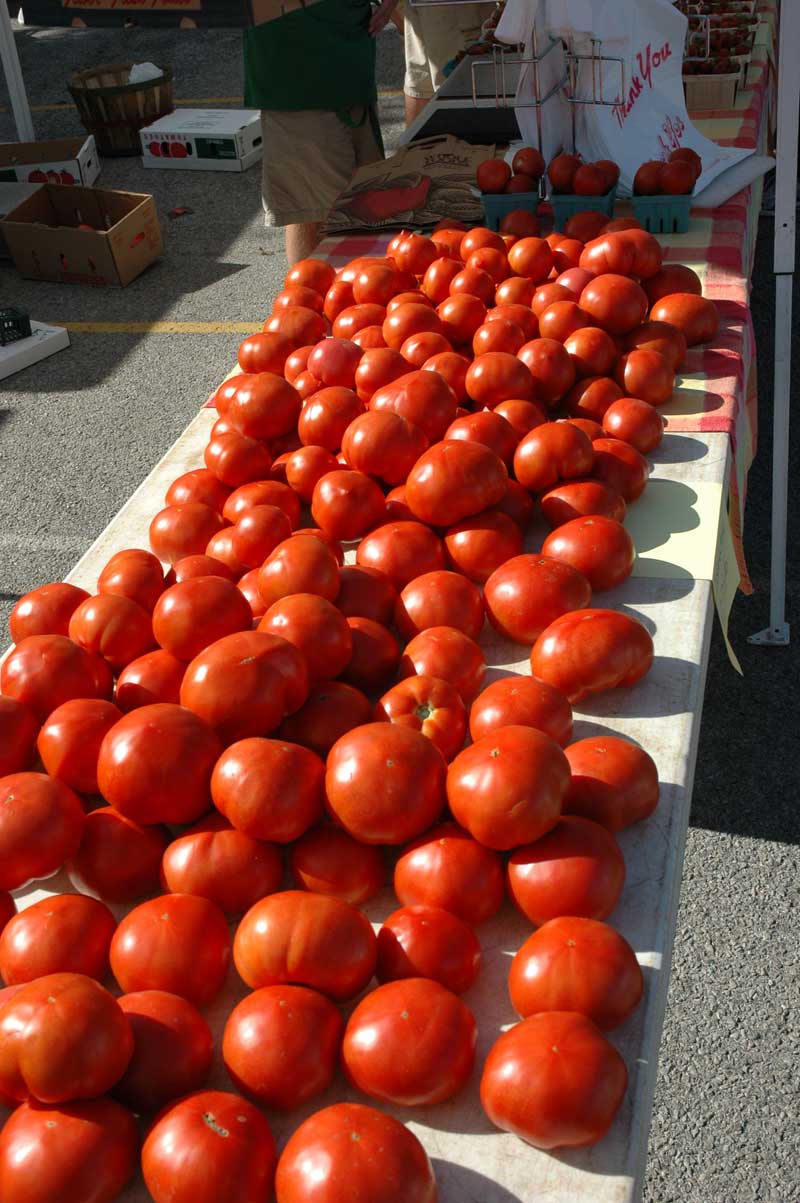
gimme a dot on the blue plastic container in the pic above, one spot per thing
(496, 205)
(663, 214)
(566, 206)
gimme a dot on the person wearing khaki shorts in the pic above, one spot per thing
(434, 34)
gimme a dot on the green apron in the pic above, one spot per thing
(317, 57)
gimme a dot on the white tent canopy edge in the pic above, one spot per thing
(13, 74)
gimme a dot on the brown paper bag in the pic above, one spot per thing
(418, 186)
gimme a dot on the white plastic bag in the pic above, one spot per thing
(141, 72)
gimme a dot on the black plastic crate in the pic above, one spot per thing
(14, 325)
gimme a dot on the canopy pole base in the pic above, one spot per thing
(771, 636)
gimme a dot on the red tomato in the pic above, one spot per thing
(220, 547)
(561, 319)
(507, 787)
(576, 869)
(350, 1147)
(311, 273)
(589, 651)
(490, 260)
(473, 282)
(198, 485)
(215, 861)
(477, 546)
(488, 427)
(531, 258)
(366, 593)
(613, 782)
(77, 1151)
(44, 671)
(402, 550)
(521, 223)
(346, 505)
(268, 789)
(423, 398)
(117, 860)
(205, 1147)
(596, 546)
(258, 532)
(529, 161)
(134, 574)
(677, 178)
(235, 459)
(337, 298)
(498, 376)
(591, 397)
(500, 334)
(376, 368)
(587, 225)
(694, 316)
(516, 290)
(193, 614)
(375, 285)
(428, 942)
(521, 701)
(414, 254)
(69, 741)
(176, 942)
(306, 384)
(448, 239)
(620, 466)
(183, 530)
(672, 278)
(647, 375)
(521, 315)
(447, 653)
(384, 783)
(301, 564)
(462, 313)
(41, 822)
(593, 430)
(281, 1045)
(439, 599)
(374, 657)
(517, 503)
(554, 1081)
(410, 1042)
(555, 451)
(410, 297)
(410, 319)
(477, 237)
(19, 729)
(592, 351)
(306, 939)
(296, 363)
(635, 422)
(172, 1050)
(62, 1037)
(326, 860)
(112, 626)
(264, 407)
(316, 628)
(326, 416)
(446, 867)
(248, 585)
(492, 175)
(396, 508)
(661, 337)
(192, 566)
(430, 705)
(63, 934)
(551, 369)
(45, 611)
(154, 677)
(263, 492)
(615, 302)
(299, 325)
(155, 765)
(528, 592)
(332, 709)
(547, 295)
(453, 480)
(304, 468)
(383, 444)
(581, 498)
(419, 348)
(581, 965)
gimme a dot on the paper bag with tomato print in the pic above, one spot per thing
(418, 186)
(650, 119)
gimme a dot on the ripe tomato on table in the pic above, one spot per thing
(208, 1146)
(45, 611)
(446, 867)
(423, 398)
(172, 1050)
(478, 545)
(527, 593)
(269, 789)
(135, 574)
(347, 504)
(575, 869)
(403, 550)
(439, 599)
(614, 782)
(326, 860)
(447, 653)
(552, 452)
(67, 933)
(331, 709)
(118, 860)
(69, 742)
(596, 546)
(315, 628)
(521, 701)
(41, 824)
(588, 651)
(453, 480)
(383, 444)
(430, 705)
(410, 1042)
(426, 941)
(19, 730)
(215, 861)
(44, 671)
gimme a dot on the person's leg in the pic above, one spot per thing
(302, 240)
(417, 86)
(414, 106)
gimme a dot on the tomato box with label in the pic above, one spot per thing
(57, 161)
(204, 140)
(76, 235)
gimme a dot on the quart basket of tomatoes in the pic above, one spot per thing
(578, 187)
(663, 192)
(508, 187)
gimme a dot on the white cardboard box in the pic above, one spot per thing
(203, 140)
(44, 341)
(57, 161)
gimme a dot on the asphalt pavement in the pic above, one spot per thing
(79, 431)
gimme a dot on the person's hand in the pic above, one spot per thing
(381, 16)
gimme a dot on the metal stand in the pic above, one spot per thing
(777, 633)
(501, 59)
(13, 73)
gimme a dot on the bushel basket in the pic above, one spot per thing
(114, 110)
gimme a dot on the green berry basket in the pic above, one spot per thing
(497, 205)
(567, 205)
(663, 214)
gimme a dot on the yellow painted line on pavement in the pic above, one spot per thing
(161, 327)
(194, 100)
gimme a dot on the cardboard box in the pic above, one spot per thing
(203, 140)
(44, 341)
(46, 241)
(59, 161)
(12, 195)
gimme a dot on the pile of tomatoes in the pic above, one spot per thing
(254, 740)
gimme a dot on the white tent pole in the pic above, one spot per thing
(13, 74)
(777, 633)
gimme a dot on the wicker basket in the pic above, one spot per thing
(114, 110)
